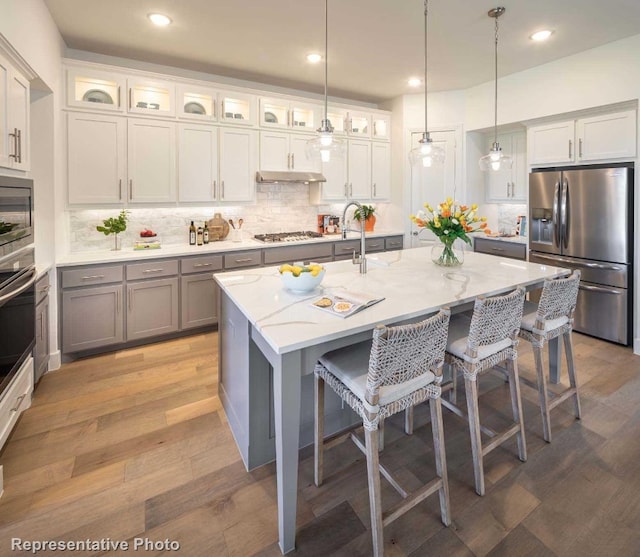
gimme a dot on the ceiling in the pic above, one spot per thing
(374, 45)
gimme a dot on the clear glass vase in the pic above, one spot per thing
(447, 254)
(117, 243)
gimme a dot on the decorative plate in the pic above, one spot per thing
(270, 117)
(194, 108)
(97, 96)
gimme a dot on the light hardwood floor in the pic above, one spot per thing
(135, 444)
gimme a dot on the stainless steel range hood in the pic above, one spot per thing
(288, 177)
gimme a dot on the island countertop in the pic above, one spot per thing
(410, 283)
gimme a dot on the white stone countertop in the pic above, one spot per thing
(410, 282)
(177, 250)
(512, 239)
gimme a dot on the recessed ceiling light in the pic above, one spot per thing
(314, 58)
(414, 82)
(541, 35)
(159, 19)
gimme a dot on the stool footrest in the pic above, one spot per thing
(560, 398)
(500, 438)
(412, 500)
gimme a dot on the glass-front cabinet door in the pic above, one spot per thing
(359, 124)
(95, 89)
(196, 103)
(151, 97)
(381, 126)
(237, 108)
(338, 119)
(282, 113)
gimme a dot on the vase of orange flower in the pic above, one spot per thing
(450, 221)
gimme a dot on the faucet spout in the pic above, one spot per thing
(362, 260)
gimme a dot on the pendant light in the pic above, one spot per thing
(427, 153)
(495, 159)
(325, 143)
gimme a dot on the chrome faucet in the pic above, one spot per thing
(362, 260)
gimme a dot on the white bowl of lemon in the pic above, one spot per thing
(301, 278)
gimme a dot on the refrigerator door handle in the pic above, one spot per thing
(600, 289)
(556, 221)
(575, 263)
(564, 213)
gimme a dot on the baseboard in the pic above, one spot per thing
(55, 360)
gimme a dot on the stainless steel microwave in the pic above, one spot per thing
(16, 213)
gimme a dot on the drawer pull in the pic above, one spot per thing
(44, 289)
(347, 249)
(153, 270)
(18, 402)
(395, 243)
(496, 249)
(247, 260)
(92, 277)
(202, 265)
(374, 245)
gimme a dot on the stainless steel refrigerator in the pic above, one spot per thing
(582, 218)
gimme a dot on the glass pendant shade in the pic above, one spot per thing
(495, 159)
(427, 153)
(325, 145)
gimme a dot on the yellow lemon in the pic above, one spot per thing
(315, 272)
(284, 268)
(296, 270)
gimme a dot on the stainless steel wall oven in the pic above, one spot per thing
(17, 277)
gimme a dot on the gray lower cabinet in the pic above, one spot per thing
(393, 243)
(152, 308)
(308, 252)
(92, 317)
(502, 248)
(41, 351)
(199, 300)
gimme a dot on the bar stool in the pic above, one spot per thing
(400, 368)
(550, 318)
(476, 345)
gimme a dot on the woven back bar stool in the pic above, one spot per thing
(476, 345)
(400, 368)
(550, 318)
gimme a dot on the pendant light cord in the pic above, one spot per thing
(326, 61)
(426, 120)
(495, 96)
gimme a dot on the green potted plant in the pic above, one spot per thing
(114, 225)
(365, 212)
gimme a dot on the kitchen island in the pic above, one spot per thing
(270, 339)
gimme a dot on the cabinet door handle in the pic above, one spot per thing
(120, 189)
(14, 155)
(247, 260)
(130, 189)
(350, 190)
(153, 270)
(222, 190)
(118, 96)
(374, 189)
(374, 246)
(130, 97)
(222, 109)
(580, 148)
(288, 161)
(91, 277)
(19, 141)
(202, 265)
(117, 302)
(293, 161)
(570, 148)
(18, 402)
(346, 190)
(130, 298)
(213, 190)
(497, 249)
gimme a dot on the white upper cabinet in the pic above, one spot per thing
(338, 119)
(197, 103)
(359, 124)
(96, 169)
(284, 113)
(336, 173)
(14, 118)
(359, 169)
(153, 98)
(508, 185)
(608, 136)
(286, 151)
(151, 161)
(596, 138)
(381, 171)
(197, 163)
(238, 164)
(95, 89)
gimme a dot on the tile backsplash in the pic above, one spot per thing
(278, 208)
(508, 217)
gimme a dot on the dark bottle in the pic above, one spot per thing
(192, 234)
(200, 235)
(205, 233)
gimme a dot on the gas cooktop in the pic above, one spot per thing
(287, 236)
